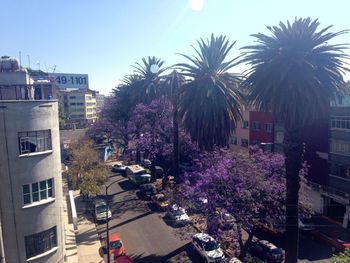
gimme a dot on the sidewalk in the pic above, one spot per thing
(86, 236)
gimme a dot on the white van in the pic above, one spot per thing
(138, 175)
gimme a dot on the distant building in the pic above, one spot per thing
(256, 128)
(79, 107)
(31, 208)
(100, 101)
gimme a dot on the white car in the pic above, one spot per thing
(99, 210)
(119, 168)
(208, 248)
(177, 215)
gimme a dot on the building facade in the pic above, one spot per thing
(79, 107)
(31, 208)
(256, 128)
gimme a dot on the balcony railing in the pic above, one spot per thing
(27, 92)
(330, 192)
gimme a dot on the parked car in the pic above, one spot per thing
(337, 240)
(147, 163)
(160, 201)
(123, 259)
(226, 220)
(306, 225)
(99, 208)
(148, 190)
(269, 228)
(119, 168)
(266, 251)
(208, 248)
(159, 171)
(234, 260)
(116, 247)
(138, 175)
(177, 215)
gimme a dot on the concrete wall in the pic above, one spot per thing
(15, 171)
(315, 199)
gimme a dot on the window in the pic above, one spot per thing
(244, 142)
(255, 142)
(340, 147)
(339, 169)
(90, 104)
(245, 125)
(234, 140)
(256, 126)
(72, 104)
(340, 122)
(38, 191)
(39, 243)
(35, 141)
(72, 97)
(268, 127)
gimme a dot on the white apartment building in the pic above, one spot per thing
(31, 201)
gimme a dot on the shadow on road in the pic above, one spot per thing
(126, 221)
(184, 254)
(126, 185)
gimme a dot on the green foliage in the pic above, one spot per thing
(295, 71)
(210, 104)
(87, 169)
(343, 257)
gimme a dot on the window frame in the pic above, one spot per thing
(49, 191)
(40, 140)
(39, 243)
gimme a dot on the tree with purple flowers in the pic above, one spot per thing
(249, 187)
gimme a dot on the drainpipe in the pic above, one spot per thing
(346, 217)
(2, 251)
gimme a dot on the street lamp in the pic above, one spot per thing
(107, 229)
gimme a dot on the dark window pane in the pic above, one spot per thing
(26, 199)
(43, 195)
(50, 192)
(35, 187)
(49, 183)
(35, 197)
(26, 189)
(43, 185)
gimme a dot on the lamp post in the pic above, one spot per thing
(107, 229)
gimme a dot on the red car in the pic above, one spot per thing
(122, 259)
(337, 240)
(116, 246)
(269, 228)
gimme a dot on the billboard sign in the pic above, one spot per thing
(67, 80)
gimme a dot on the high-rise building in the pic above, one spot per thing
(31, 201)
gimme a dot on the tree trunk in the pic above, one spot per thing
(244, 246)
(293, 150)
(175, 144)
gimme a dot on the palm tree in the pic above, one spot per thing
(147, 79)
(294, 74)
(210, 104)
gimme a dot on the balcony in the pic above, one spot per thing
(331, 192)
(27, 92)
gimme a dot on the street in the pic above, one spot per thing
(148, 238)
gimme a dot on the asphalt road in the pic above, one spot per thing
(148, 238)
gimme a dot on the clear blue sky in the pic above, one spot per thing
(104, 37)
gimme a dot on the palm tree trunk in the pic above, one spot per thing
(175, 144)
(293, 150)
